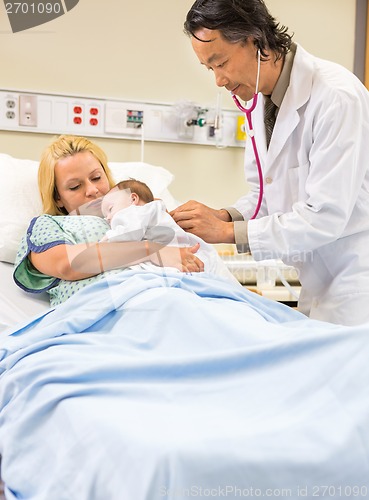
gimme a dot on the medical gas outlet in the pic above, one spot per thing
(134, 118)
(191, 117)
(200, 119)
(213, 125)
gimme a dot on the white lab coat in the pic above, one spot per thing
(315, 213)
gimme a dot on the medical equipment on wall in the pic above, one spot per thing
(190, 117)
(251, 133)
(35, 112)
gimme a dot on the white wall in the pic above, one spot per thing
(326, 28)
(137, 51)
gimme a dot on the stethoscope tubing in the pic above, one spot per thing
(248, 112)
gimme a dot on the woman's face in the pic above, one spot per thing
(79, 179)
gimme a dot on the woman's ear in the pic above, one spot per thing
(58, 202)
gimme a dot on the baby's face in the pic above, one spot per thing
(115, 200)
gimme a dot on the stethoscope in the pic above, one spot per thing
(251, 133)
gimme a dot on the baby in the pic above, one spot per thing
(134, 215)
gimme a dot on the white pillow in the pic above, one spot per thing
(20, 200)
(157, 178)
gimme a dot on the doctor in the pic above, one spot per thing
(315, 210)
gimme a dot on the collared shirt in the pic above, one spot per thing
(240, 225)
(284, 78)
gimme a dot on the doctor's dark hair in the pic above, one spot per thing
(238, 20)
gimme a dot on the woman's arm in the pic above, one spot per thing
(75, 262)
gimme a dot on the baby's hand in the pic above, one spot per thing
(105, 238)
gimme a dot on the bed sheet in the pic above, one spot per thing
(15, 304)
(148, 386)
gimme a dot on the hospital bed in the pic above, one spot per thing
(20, 201)
(167, 385)
(271, 278)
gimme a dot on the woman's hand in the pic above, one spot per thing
(213, 226)
(182, 258)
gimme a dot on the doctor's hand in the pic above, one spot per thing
(213, 226)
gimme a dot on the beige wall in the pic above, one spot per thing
(136, 50)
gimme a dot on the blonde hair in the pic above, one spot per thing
(65, 145)
(140, 188)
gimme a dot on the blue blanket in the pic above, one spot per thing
(147, 386)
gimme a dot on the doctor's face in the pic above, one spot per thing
(79, 179)
(234, 65)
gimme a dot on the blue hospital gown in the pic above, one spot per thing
(45, 232)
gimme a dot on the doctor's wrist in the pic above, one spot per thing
(228, 234)
(224, 215)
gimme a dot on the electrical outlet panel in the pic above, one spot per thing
(10, 107)
(25, 111)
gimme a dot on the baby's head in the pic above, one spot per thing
(124, 194)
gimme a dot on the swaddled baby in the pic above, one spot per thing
(134, 215)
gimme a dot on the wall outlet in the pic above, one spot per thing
(10, 103)
(28, 110)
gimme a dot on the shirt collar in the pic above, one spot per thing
(284, 78)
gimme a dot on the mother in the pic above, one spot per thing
(61, 253)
